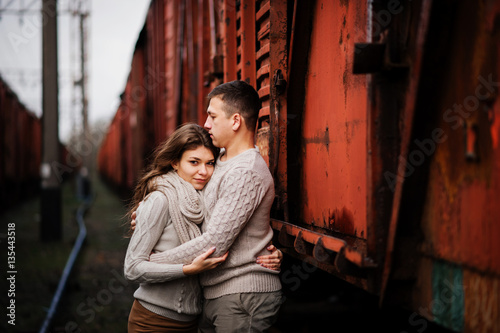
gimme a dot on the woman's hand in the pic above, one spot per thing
(134, 216)
(203, 263)
(132, 223)
(273, 260)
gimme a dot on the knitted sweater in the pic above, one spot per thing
(238, 200)
(164, 289)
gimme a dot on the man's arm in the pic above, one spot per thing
(240, 195)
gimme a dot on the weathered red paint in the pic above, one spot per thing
(278, 106)
(227, 9)
(482, 303)
(20, 149)
(461, 215)
(406, 134)
(335, 123)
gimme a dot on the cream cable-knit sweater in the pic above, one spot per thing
(164, 288)
(238, 200)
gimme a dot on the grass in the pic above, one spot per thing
(97, 298)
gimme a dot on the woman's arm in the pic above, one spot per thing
(204, 263)
(152, 217)
(226, 222)
(271, 261)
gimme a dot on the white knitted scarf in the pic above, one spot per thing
(185, 205)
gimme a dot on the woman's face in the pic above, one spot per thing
(196, 166)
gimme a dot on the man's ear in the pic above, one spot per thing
(237, 121)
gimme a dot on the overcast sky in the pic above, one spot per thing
(113, 29)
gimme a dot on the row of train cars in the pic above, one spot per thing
(380, 123)
(21, 151)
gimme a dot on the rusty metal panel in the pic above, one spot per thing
(190, 78)
(227, 23)
(113, 146)
(209, 68)
(278, 76)
(174, 11)
(119, 162)
(116, 152)
(482, 303)
(141, 142)
(461, 216)
(155, 70)
(334, 174)
(20, 148)
(118, 175)
(246, 36)
(455, 158)
(155, 66)
(112, 152)
(263, 81)
(271, 57)
(396, 138)
(128, 113)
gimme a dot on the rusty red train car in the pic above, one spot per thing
(20, 149)
(379, 122)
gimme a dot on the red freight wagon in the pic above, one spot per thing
(380, 125)
(20, 149)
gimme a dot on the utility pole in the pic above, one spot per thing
(51, 210)
(85, 171)
(82, 68)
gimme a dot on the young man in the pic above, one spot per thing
(239, 294)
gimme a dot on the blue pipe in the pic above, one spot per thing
(69, 264)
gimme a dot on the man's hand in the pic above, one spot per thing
(203, 263)
(273, 260)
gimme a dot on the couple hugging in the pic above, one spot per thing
(200, 247)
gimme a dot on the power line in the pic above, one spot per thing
(21, 8)
(73, 79)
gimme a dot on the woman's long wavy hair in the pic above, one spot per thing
(187, 137)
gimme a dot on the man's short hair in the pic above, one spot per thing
(239, 97)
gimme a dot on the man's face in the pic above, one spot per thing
(217, 124)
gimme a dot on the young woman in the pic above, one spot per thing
(170, 214)
(168, 298)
